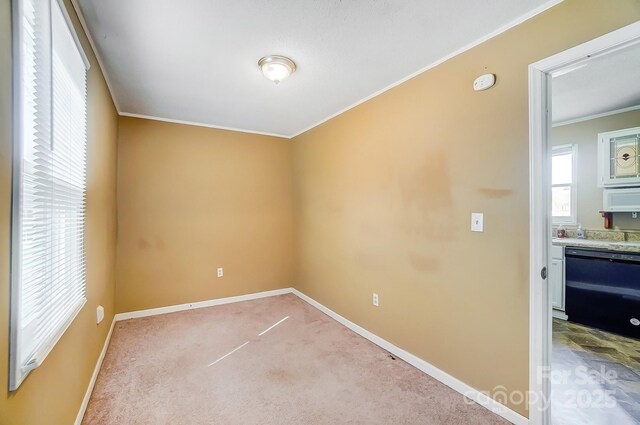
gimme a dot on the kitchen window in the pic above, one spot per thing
(49, 169)
(563, 184)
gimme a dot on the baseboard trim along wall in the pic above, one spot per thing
(453, 383)
(415, 361)
(94, 377)
(559, 315)
(200, 304)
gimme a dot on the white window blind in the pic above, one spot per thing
(48, 258)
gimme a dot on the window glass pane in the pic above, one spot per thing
(561, 168)
(624, 154)
(561, 201)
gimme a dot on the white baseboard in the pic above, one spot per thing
(422, 365)
(96, 371)
(558, 314)
(200, 304)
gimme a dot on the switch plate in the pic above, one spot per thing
(375, 299)
(220, 272)
(99, 314)
(477, 222)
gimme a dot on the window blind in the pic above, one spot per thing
(49, 183)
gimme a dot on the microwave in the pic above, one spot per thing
(621, 200)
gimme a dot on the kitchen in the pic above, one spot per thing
(594, 258)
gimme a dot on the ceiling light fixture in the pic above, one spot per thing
(276, 68)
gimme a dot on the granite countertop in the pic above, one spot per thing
(594, 243)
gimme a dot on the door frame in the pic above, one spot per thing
(540, 199)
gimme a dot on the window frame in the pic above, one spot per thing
(17, 376)
(572, 219)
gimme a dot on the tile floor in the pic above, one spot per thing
(595, 376)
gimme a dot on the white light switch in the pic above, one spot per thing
(477, 222)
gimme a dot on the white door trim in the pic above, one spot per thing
(539, 161)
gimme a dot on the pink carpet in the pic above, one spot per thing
(308, 369)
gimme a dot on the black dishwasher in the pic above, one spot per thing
(603, 289)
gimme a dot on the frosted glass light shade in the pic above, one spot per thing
(276, 68)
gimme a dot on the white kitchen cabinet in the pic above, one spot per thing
(556, 283)
(556, 277)
(619, 158)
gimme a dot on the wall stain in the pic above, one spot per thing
(143, 244)
(427, 198)
(368, 260)
(492, 193)
(423, 263)
(429, 184)
(159, 243)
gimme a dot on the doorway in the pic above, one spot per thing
(541, 121)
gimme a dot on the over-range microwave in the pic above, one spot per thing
(622, 200)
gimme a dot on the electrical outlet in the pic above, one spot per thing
(375, 300)
(99, 314)
(634, 215)
(220, 272)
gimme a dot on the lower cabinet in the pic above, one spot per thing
(556, 283)
(556, 277)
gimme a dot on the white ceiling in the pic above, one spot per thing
(196, 61)
(607, 83)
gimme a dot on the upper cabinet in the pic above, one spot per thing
(619, 158)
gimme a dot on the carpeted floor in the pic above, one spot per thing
(229, 365)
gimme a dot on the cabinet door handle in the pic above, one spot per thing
(543, 273)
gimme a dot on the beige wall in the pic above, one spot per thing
(589, 195)
(383, 195)
(191, 199)
(52, 393)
